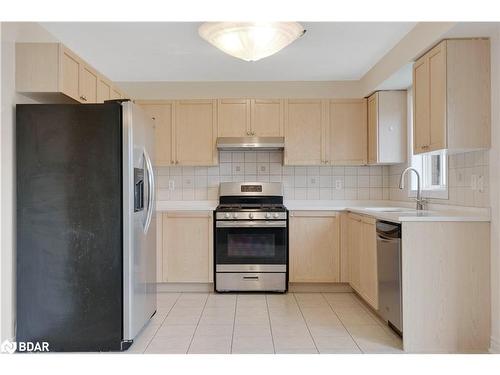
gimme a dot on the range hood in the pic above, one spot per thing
(250, 143)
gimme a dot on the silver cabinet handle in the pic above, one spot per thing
(250, 224)
(84, 98)
(250, 277)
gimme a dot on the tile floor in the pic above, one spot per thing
(206, 323)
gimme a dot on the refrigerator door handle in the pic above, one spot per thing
(151, 191)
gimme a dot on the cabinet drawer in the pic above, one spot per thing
(251, 281)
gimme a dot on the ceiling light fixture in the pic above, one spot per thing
(251, 41)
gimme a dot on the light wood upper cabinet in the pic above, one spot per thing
(250, 117)
(187, 247)
(305, 127)
(88, 84)
(314, 246)
(267, 119)
(387, 127)
(70, 73)
(116, 94)
(362, 245)
(195, 132)
(162, 114)
(451, 97)
(234, 118)
(45, 69)
(347, 140)
(103, 90)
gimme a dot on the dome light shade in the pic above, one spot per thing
(250, 41)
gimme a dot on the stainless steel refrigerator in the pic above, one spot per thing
(86, 232)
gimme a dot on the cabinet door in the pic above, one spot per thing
(368, 262)
(372, 129)
(437, 97)
(187, 244)
(116, 94)
(348, 132)
(421, 123)
(314, 247)
(267, 117)
(195, 132)
(103, 90)
(163, 118)
(354, 245)
(70, 74)
(88, 84)
(304, 132)
(234, 118)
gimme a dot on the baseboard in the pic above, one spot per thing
(293, 287)
(319, 287)
(494, 345)
(184, 287)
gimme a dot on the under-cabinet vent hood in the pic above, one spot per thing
(250, 143)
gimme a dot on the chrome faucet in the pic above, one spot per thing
(420, 201)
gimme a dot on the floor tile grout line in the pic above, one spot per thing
(305, 321)
(234, 322)
(343, 325)
(159, 326)
(270, 324)
(197, 323)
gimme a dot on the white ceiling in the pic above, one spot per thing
(173, 51)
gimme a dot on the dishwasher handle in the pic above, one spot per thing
(387, 239)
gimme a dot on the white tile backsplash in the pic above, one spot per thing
(461, 168)
(300, 182)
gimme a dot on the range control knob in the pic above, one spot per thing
(235, 215)
(250, 215)
(268, 215)
(276, 215)
(227, 215)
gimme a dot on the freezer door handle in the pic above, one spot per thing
(151, 191)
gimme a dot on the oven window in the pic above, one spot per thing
(251, 245)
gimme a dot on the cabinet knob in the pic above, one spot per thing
(83, 98)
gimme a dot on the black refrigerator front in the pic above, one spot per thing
(69, 226)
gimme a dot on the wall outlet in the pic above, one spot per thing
(338, 185)
(480, 184)
(473, 182)
(171, 185)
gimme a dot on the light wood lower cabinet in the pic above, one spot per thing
(362, 245)
(314, 246)
(186, 241)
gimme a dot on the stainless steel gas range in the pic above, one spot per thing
(251, 238)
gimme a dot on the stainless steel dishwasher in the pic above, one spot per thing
(389, 274)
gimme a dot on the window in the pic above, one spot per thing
(432, 166)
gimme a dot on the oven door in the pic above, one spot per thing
(257, 246)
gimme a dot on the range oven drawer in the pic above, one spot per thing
(247, 281)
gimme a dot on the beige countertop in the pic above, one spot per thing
(383, 210)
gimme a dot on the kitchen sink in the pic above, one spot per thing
(391, 209)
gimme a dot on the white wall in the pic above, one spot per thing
(10, 34)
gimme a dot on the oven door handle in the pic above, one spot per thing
(251, 224)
